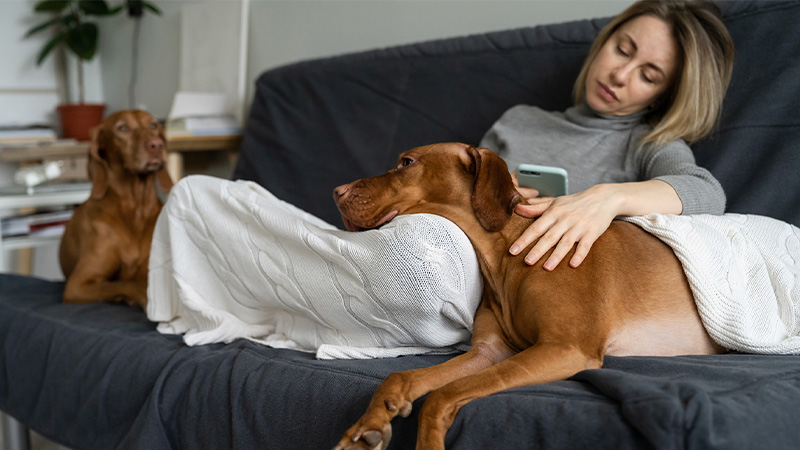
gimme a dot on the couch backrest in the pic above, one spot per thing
(317, 124)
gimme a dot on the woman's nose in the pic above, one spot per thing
(621, 74)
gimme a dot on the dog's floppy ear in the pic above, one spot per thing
(493, 195)
(97, 166)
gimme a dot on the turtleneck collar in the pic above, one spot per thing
(585, 116)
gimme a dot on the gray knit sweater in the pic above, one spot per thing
(602, 149)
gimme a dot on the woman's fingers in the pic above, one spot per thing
(535, 207)
(535, 231)
(581, 251)
(561, 237)
(561, 250)
(527, 193)
(559, 229)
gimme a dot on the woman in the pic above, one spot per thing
(229, 260)
(654, 80)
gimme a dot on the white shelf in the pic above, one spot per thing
(16, 197)
(17, 242)
(51, 195)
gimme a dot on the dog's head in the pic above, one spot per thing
(453, 180)
(127, 141)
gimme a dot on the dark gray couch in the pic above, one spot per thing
(100, 377)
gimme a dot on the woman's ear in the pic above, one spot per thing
(97, 166)
(493, 195)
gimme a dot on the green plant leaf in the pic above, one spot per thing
(43, 26)
(71, 20)
(51, 44)
(51, 5)
(153, 8)
(115, 10)
(93, 7)
(82, 40)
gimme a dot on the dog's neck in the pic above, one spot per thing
(135, 189)
(491, 247)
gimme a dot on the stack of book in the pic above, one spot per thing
(195, 114)
(22, 136)
(203, 126)
(40, 224)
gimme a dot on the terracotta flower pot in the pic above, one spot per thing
(78, 119)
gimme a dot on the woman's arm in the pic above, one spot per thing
(582, 217)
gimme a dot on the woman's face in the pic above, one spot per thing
(634, 67)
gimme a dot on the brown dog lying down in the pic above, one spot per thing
(629, 297)
(106, 246)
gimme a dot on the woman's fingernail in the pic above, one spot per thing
(514, 249)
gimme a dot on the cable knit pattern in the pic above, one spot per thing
(744, 271)
(229, 260)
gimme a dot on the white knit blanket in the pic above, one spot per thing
(744, 271)
(229, 260)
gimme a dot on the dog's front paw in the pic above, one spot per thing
(364, 436)
(374, 429)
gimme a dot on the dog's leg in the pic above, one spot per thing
(130, 292)
(539, 364)
(89, 283)
(396, 394)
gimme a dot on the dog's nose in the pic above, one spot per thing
(340, 191)
(155, 145)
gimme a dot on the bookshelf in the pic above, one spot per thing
(70, 194)
(17, 197)
(177, 147)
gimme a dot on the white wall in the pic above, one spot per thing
(285, 31)
(280, 32)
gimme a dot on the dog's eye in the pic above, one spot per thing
(406, 161)
(153, 125)
(122, 127)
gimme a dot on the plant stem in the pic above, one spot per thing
(81, 93)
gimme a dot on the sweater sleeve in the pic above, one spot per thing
(674, 163)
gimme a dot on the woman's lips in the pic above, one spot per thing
(606, 92)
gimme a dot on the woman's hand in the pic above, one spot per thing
(582, 217)
(527, 193)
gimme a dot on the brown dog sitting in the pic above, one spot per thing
(106, 245)
(629, 297)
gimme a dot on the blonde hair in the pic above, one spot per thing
(692, 105)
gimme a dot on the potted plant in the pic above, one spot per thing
(72, 25)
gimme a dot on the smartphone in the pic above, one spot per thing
(549, 181)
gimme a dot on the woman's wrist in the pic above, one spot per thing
(640, 198)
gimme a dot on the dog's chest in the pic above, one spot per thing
(134, 253)
(133, 263)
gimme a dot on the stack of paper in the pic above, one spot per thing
(201, 114)
(26, 136)
(39, 224)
